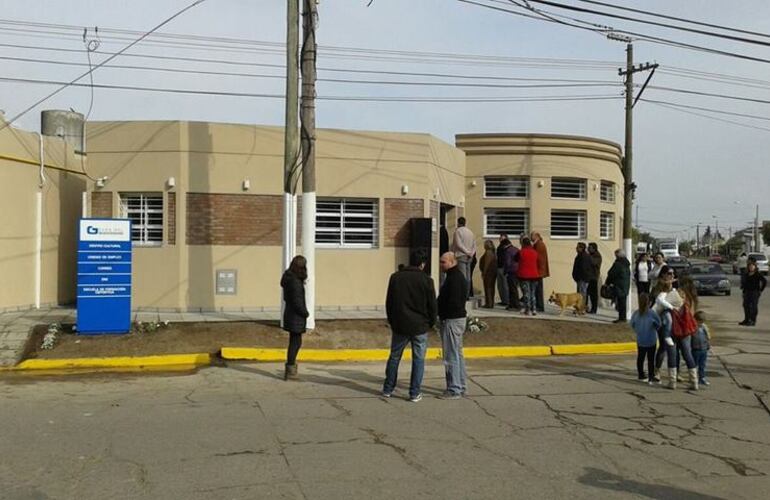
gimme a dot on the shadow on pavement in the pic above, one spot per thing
(608, 481)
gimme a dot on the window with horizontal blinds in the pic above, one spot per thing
(606, 225)
(568, 188)
(145, 211)
(510, 221)
(568, 224)
(346, 222)
(506, 186)
(607, 193)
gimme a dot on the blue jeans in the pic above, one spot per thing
(701, 355)
(582, 289)
(683, 346)
(529, 288)
(669, 351)
(397, 345)
(452, 331)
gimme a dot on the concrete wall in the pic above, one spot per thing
(61, 206)
(542, 157)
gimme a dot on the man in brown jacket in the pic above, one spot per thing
(542, 269)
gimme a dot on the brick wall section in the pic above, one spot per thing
(398, 211)
(434, 213)
(233, 219)
(101, 204)
(171, 210)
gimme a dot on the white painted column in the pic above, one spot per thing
(308, 250)
(629, 255)
(38, 246)
(84, 205)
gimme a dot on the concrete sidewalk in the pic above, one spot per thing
(16, 326)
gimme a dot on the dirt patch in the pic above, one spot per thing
(180, 338)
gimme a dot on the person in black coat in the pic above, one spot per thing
(411, 309)
(753, 284)
(582, 270)
(593, 283)
(295, 311)
(619, 276)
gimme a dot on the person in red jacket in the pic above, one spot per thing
(528, 275)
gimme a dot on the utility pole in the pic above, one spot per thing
(756, 230)
(697, 238)
(291, 137)
(630, 186)
(291, 133)
(307, 137)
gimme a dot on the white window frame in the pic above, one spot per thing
(345, 211)
(606, 225)
(580, 232)
(607, 192)
(506, 182)
(506, 212)
(143, 225)
(580, 184)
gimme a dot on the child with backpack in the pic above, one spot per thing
(700, 347)
(646, 324)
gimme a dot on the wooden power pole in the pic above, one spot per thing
(291, 133)
(308, 139)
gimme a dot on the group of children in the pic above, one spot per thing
(653, 328)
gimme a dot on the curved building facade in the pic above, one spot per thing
(567, 188)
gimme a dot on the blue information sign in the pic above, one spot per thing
(104, 276)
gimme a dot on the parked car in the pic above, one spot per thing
(680, 265)
(761, 260)
(708, 277)
(715, 257)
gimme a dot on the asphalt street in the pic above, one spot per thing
(558, 427)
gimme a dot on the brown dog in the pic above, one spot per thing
(565, 300)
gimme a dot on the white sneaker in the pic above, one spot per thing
(416, 399)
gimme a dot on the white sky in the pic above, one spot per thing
(689, 169)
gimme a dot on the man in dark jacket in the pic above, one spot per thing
(451, 312)
(593, 283)
(581, 270)
(411, 310)
(619, 275)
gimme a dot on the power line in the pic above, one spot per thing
(423, 99)
(651, 23)
(562, 84)
(674, 18)
(711, 110)
(65, 85)
(709, 94)
(640, 36)
(745, 125)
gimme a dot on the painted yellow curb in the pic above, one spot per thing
(137, 362)
(608, 348)
(257, 354)
(506, 351)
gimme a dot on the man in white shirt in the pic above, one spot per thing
(464, 248)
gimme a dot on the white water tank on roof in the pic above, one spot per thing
(65, 124)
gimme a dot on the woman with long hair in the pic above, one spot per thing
(488, 264)
(666, 300)
(689, 295)
(295, 312)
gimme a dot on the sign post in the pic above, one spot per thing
(104, 276)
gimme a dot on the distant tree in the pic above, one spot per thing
(685, 247)
(766, 233)
(732, 247)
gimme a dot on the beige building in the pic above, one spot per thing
(206, 203)
(40, 199)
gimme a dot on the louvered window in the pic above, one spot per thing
(606, 225)
(506, 186)
(510, 221)
(346, 223)
(607, 193)
(566, 188)
(568, 224)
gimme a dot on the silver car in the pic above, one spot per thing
(761, 260)
(708, 277)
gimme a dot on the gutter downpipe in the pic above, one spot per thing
(39, 226)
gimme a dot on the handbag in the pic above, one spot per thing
(607, 291)
(683, 323)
